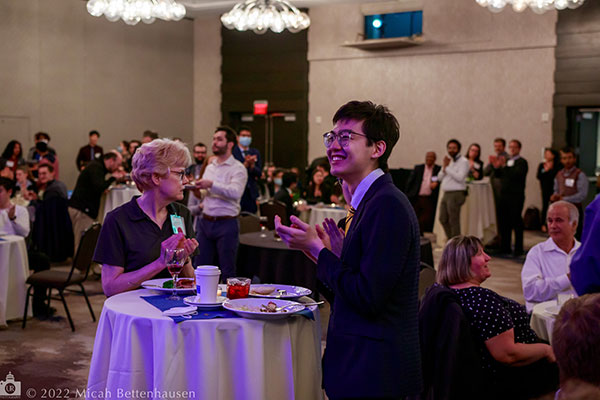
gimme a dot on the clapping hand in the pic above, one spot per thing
(300, 236)
(331, 236)
(178, 240)
(446, 161)
(12, 211)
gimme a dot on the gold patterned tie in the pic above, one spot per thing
(349, 217)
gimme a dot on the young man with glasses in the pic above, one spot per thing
(372, 341)
(224, 181)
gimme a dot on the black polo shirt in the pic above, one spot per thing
(130, 239)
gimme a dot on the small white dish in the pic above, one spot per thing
(289, 292)
(157, 284)
(179, 311)
(195, 301)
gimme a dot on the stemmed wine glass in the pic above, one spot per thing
(175, 260)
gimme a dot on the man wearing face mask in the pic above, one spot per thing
(251, 159)
(42, 153)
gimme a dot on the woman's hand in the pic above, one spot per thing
(178, 241)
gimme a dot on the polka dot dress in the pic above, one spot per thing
(489, 315)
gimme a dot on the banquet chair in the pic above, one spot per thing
(426, 278)
(272, 208)
(249, 222)
(62, 280)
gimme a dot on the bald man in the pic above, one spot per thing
(423, 188)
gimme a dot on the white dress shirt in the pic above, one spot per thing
(455, 176)
(229, 181)
(544, 274)
(19, 226)
(364, 186)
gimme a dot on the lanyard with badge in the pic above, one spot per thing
(177, 224)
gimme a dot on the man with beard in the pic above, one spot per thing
(221, 189)
(195, 170)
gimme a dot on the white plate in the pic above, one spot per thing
(249, 308)
(194, 301)
(291, 292)
(554, 310)
(157, 284)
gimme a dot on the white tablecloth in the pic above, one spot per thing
(14, 270)
(542, 321)
(117, 196)
(318, 215)
(477, 215)
(136, 348)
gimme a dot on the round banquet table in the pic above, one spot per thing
(542, 320)
(116, 196)
(318, 214)
(14, 270)
(477, 215)
(137, 348)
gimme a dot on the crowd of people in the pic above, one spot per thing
(368, 262)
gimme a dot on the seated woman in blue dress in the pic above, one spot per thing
(135, 236)
(515, 362)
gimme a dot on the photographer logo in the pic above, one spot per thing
(9, 388)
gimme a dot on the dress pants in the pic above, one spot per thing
(450, 212)
(425, 209)
(510, 210)
(218, 244)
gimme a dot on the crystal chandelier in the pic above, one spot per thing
(537, 6)
(134, 11)
(261, 15)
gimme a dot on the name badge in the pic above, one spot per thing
(477, 165)
(177, 223)
(570, 182)
(510, 163)
(10, 163)
(434, 179)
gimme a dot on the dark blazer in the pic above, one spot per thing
(90, 185)
(413, 185)
(85, 155)
(513, 179)
(372, 340)
(248, 201)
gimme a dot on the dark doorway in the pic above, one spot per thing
(584, 135)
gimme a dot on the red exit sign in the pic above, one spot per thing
(261, 107)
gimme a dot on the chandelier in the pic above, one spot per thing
(134, 11)
(261, 15)
(537, 6)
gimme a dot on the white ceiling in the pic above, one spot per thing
(205, 7)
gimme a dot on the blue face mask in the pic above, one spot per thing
(278, 181)
(245, 141)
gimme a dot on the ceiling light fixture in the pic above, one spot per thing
(134, 11)
(261, 15)
(537, 6)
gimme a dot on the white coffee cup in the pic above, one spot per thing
(207, 281)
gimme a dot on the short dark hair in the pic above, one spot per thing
(7, 183)
(325, 165)
(568, 149)
(49, 166)
(111, 155)
(576, 339)
(150, 134)
(517, 142)
(94, 132)
(378, 124)
(244, 128)
(41, 135)
(230, 134)
(499, 139)
(199, 144)
(456, 142)
(288, 178)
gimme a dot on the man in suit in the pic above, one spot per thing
(250, 157)
(372, 342)
(512, 173)
(90, 152)
(422, 189)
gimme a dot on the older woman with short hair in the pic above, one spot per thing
(136, 235)
(500, 325)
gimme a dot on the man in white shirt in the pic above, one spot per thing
(14, 219)
(546, 273)
(453, 176)
(217, 230)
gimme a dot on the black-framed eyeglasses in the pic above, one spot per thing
(179, 174)
(343, 137)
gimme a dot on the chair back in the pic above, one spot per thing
(272, 208)
(426, 278)
(249, 223)
(85, 252)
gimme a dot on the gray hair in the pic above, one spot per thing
(573, 211)
(157, 157)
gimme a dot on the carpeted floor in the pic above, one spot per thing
(47, 355)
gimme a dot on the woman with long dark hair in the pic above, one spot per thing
(13, 154)
(475, 163)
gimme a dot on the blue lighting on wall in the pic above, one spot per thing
(403, 24)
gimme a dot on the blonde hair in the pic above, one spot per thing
(455, 264)
(157, 157)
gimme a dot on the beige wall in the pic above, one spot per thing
(65, 72)
(478, 76)
(207, 78)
